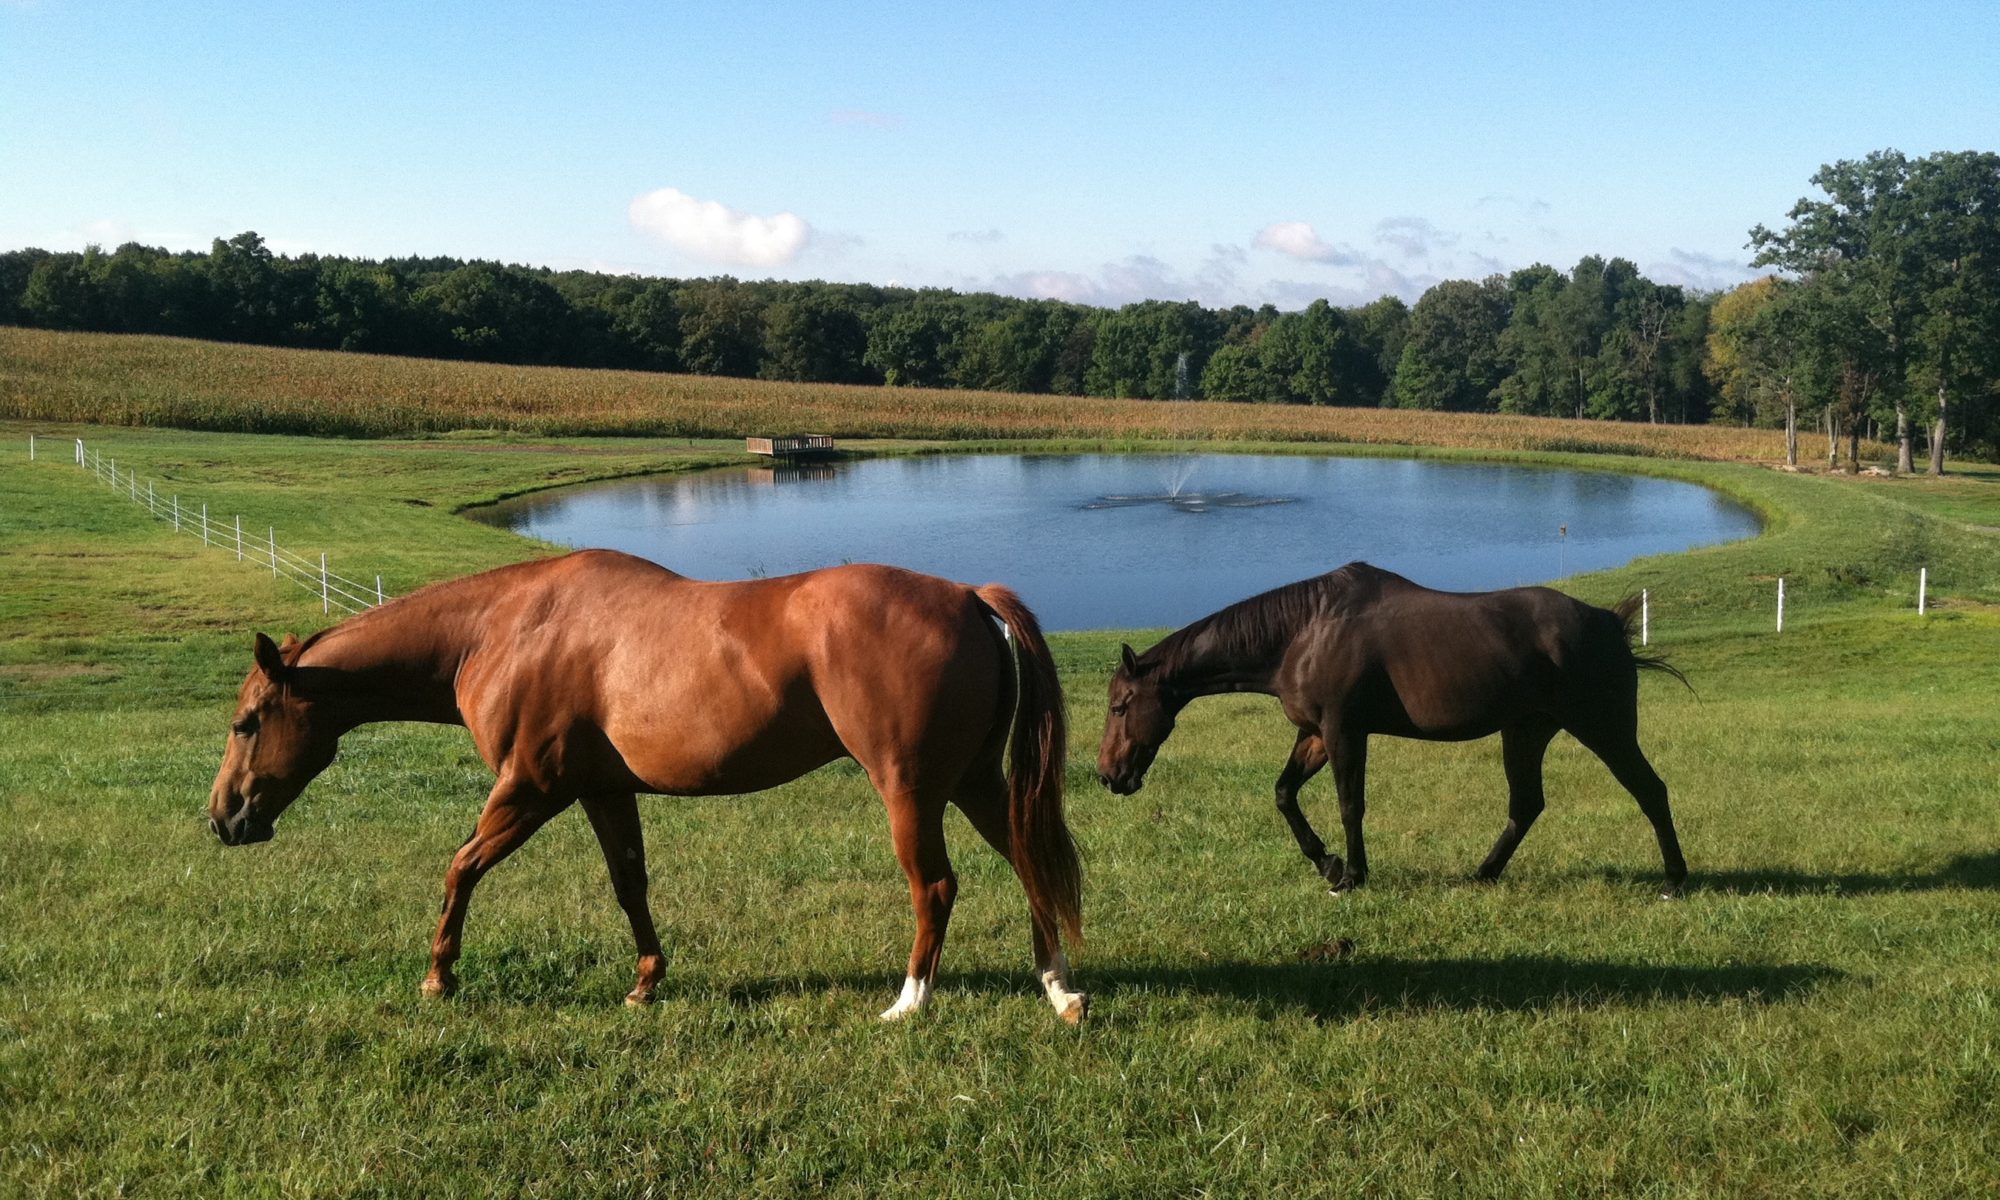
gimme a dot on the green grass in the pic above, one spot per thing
(1818, 1017)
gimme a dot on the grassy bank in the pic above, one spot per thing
(128, 380)
(1818, 1016)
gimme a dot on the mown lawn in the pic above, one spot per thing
(1817, 1017)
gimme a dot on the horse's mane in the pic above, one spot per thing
(449, 595)
(1254, 628)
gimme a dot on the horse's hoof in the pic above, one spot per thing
(1331, 869)
(1671, 892)
(437, 989)
(1347, 884)
(638, 997)
(1075, 1010)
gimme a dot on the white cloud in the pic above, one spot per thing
(1298, 240)
(1138, 277)
(1414, 236)
(716, 233)
(978, 237)
(1701, 272)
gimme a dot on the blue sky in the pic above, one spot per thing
(1101, 153)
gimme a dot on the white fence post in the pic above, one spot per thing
(31, 447)
(353, 594)
(1645, 618)
(1923, 587)
(1781, 604)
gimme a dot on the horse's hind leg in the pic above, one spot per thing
(514, 811)
(1522, 748)
(616, 822)
(983, 800)
(1308, 756)
(916, 825)
(1620, 751)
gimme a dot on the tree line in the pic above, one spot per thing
(1599, 341)
(1883, 316)
(1886, 314)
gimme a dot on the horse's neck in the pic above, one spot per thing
(1210, 657)
(396, 663)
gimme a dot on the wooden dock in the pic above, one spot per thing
(798, 445)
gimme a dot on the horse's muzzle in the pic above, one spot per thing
(243, 829)
(1123, 784)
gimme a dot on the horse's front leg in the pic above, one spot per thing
(616, 822)
(1349, 753)
(514, 810)
(1308, 756)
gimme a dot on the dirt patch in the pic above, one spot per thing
(1333, 951)
(45, 672)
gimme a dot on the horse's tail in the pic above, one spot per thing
(1645, 660)
(1044, 855)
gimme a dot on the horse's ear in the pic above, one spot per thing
(270, 659)
(1131, 659)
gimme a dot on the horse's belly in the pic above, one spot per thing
(699, 761)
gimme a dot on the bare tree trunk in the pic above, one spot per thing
(1905, 461)
(1937, 436)
(1791, 432)
(1854, 448)
(1832, 439)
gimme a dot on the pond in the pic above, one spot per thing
(1137, 541)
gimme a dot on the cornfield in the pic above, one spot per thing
(158, 381)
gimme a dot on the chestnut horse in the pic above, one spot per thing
(1361, 651)
(588, 678)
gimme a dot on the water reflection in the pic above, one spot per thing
(1110, 541)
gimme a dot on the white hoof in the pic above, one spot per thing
(1070, 1006)
(916, 994)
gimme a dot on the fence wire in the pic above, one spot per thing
(336, 592)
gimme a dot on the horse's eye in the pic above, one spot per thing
(1117, 710)
(245, 727)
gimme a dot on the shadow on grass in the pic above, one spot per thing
(1323, 991)
(1973, 871)
(1363, 984)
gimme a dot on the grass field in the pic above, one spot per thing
(1819, 1016)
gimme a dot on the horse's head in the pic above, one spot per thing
(1140, 716)
(275, 748)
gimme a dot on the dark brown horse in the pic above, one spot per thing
(591, 677)
(1361, 651)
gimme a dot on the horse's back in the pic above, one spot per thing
(1431, 663)
(698, 687)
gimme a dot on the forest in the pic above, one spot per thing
(1881, 318)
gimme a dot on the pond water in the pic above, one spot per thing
(1137, 541)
